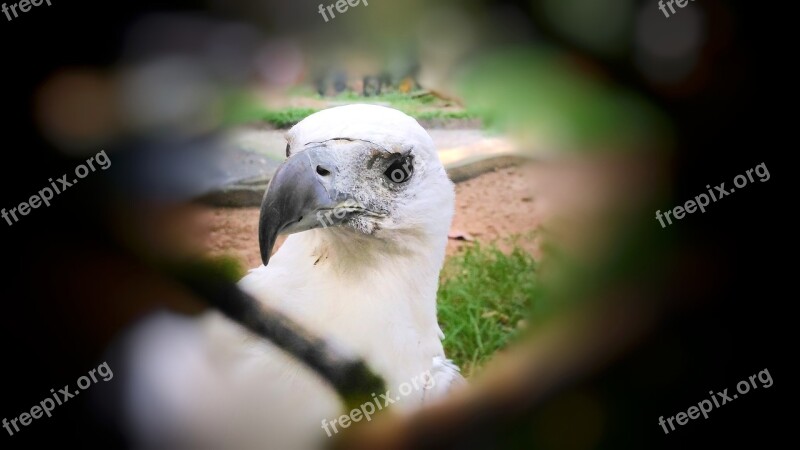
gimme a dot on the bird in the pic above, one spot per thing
(366, 206)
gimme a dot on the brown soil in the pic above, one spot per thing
(491, 207)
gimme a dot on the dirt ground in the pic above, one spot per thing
(490, 207)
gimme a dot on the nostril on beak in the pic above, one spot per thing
(323, 171)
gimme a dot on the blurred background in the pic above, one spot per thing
(566, 124)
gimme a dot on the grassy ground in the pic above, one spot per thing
(243, 109)
(484, 298)
(421, 105)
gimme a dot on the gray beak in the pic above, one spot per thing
(302, 187)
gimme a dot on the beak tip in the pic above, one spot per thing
(266, 251)
(266, 241)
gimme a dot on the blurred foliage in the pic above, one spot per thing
(545, 96)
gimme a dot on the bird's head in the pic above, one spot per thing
(363, 169)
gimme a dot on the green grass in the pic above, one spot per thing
(286, 118)
(483, 296)
(431, 115)
(241, 109)
(419, 105)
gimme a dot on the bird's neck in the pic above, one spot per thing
(376, 294)
(407, 260)
(348, 251)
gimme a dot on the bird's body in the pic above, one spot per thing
(368, 285)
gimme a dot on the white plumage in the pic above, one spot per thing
(368, 284)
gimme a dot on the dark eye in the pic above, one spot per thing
(287, 149)
(401, 170)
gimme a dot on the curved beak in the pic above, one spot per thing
(301, 188)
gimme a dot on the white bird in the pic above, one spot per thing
(368, 206)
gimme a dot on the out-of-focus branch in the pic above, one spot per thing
(573, 348)
(351, 378)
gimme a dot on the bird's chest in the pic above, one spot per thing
(381, 328)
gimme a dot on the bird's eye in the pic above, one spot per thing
(401, 170)
(287, 150)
